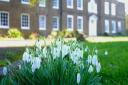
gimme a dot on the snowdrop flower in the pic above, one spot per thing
(5, 70)
(86, 49)
(36, 63)
(94, 60)
(96, 51)
(45, 52)
(78, 78)
(38, 44)
(106, 53)
(98, 67)
(26, 57)
(19, 66)
(90, 70)
(89, 59)
(65, 50)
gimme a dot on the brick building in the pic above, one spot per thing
(91, 17)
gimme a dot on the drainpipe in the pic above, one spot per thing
(61, 14)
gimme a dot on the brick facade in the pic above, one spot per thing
(15, 8)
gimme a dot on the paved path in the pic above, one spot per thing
(18, 43)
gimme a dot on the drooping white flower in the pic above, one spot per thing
(45, 52)
(65, 50)
(78, 78)
(38, 44)
(26, 57)
(96, 51)
(19, 66)
(89, 59)
(106, 53)
(98, 67)
(86, 49)
(90, 70)
(36, 63)
(94, 60)
(5, 70)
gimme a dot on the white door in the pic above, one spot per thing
(93, 25)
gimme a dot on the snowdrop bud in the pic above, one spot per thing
(89, 59)
(78, 78)
(90, 70)
(19, 66)
(5, 70)
(98, 67)
(94, 60)
(106, 53)
(96, 51)
(86, 49)
(36, 63)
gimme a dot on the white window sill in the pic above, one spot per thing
(70, 7)
(41, 5)
(80, 9)
(4, 27)
(42, 28)
(25, 28)
(55, 7)
(25, 2)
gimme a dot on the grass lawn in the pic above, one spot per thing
(115, 65)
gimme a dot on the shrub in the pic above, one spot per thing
(14, 33)
(34, 35)
(106, 34)
(60, 63)
(79, 36)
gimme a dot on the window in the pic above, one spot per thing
(106, 26)
(25, 1)
(4, 19)
(119, 26)
(113, 26)
(25, 21)
(55, 4)
(55, 23)
(80, 23)
(80, 4)
(5, 0)
(42, 3)
(92, 7)
(70, 22)
(42, 22)
(69, 3)
(113, 9)
(106, 6)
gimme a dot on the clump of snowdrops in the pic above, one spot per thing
(61, 63)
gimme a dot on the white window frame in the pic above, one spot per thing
(81, 29)
(72, 23)
(23, 2)
(42, 28)
(25, 28)
(5, 27)
(107, 30)
(113, 27)
(106, 8)
(92, 7)
(81, 7)
(55, 29)
(57, 5)
(5, 0)
(70, 6)
(113, 9)
(42, 5)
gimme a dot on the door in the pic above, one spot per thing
(93, 25)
